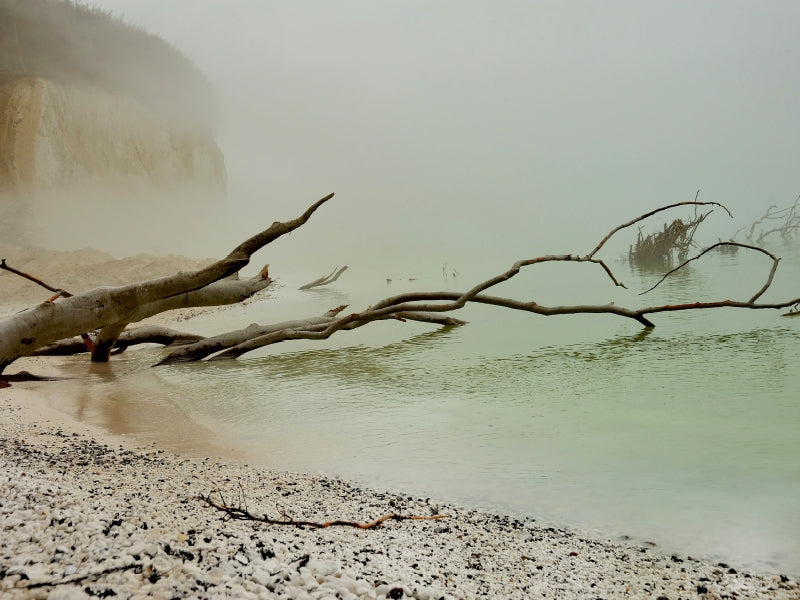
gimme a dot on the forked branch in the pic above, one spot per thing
(436, 303)
(758, 294)
(59, 292)
(325, 279)
(653, 212)
(113, 308)
(107, 309)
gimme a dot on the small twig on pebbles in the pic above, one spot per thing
(82, 578)
(238, 513)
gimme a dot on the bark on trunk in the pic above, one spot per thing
(111, 307)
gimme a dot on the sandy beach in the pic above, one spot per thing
(85, 513)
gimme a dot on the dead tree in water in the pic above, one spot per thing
(781, 222)
(659, 250)
(105, 312)
(325, 279)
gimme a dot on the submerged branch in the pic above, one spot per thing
(650, 214)
(758, 294)
(325, 279)
(148, 334)
(431, 304)
(106, 311)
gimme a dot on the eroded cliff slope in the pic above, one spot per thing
(55, 135)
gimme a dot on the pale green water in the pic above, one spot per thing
(686, 435)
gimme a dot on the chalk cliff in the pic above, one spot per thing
(55, 135)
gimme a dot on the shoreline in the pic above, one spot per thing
(88, 513)
(85, 512)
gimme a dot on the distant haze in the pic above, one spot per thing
(453, 130)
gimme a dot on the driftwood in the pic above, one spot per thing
(85, 577)
(106, 310)
(780, 222)
(432, 303)
(243, 340)
(241, 513)
(659, 249)
(148, 334)
(325, 279)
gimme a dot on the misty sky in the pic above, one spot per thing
(449, 129)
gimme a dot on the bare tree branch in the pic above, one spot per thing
(650, 214)
(109, 310)
(148, 334)
(46, 323)
(717, 304)
(790, 223)
(325, 279)
(240, 513)
(775, 261)
(431, 303)
(36, 280)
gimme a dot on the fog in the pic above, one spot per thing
(465, 130)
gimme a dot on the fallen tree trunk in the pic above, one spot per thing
(114, 307)
(147, 334)
(108, 310)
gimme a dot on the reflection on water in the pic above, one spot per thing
(126, 397)
(685, 434)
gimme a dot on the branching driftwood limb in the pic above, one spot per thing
(105, 340)
(149, 334)
(788, 224)
(650, 214)
(59, 292)
(23, 333)
(325, 279)
(139, 301)
(241, 513)
(432, 303)
(236, 343)
(658, 248)
(758, 294)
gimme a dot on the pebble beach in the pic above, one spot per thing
(84, 514)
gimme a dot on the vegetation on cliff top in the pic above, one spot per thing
(74, 42)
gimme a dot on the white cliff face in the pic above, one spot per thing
(76, 135)
(82, 166)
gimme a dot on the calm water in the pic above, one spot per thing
(685, 435)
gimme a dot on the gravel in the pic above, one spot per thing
(84, 515)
